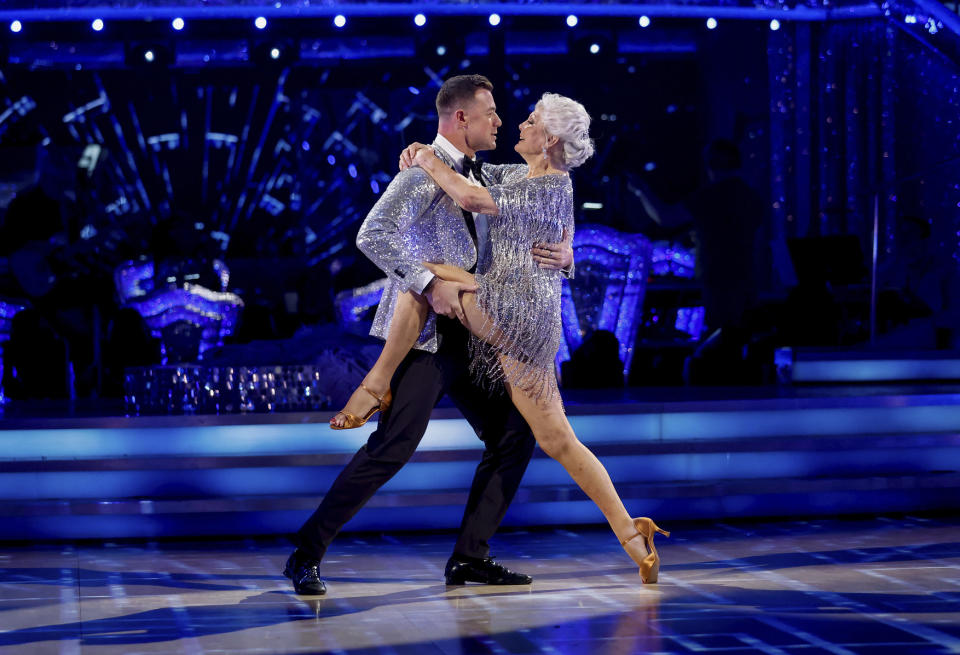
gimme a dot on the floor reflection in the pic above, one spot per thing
(868, 586)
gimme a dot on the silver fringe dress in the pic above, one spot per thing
(521, 300)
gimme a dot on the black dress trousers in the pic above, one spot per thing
(418, 385)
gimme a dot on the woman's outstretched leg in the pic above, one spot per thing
(553, 432)
(556, 437)
(373, 393)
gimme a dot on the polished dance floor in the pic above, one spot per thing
(877, 585)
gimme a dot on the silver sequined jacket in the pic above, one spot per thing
(412, 222)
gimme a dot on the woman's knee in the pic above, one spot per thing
(555, 442)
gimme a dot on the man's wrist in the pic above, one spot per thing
(420, 281)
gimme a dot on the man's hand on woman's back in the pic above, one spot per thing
(555, 256)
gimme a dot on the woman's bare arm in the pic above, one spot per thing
(472, 198)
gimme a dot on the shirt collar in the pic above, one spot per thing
(455, 154)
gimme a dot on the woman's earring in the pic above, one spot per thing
(545, 158)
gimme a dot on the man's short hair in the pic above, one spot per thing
(460, 90)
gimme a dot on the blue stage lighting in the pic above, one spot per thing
(260, 23)
(97, 24)
(149, 56)
(594, 48)
(572, 20)
(339, 20)
(910, 19)
(419, 20)
(275, 53)
(16, 26)
(711, 23)
(774, 25)
(644, 21)
(177, 24)
(441, 50)
(331, 160)
(352, 171)
(374, 186)
(494, 19)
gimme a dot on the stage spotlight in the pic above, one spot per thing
(572, 20)
(339, 20)
(149, 55)
(441, 51)
(419, 20)
(774, 25)
(274, 53)
(644, 21)
(16, 26)
(711, 23)
(177, 24)
(494, 19)
(97, 24)
(596, 44)
(260, 23)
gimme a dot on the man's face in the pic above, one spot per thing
(481, 121)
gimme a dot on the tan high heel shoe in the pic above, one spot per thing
(383, 403)
(649, 565)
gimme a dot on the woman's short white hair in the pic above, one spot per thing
(567, 120)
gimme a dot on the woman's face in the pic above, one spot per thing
(533, 136)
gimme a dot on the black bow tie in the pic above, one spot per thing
(472, 165)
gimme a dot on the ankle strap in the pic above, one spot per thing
(379, 398)
(623, 542)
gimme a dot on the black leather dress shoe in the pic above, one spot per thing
(303, 573)
(485, 571)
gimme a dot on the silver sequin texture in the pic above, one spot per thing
(413, 222)
(520, 299)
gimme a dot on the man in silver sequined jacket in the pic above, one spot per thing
(413, 222)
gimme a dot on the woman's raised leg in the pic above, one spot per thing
(409, 316)
(373, 394)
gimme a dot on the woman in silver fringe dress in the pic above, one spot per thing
(514, 312)
(521, 300)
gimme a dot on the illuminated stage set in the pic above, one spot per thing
(183, 308)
